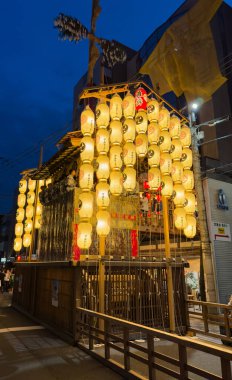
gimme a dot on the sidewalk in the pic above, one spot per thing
(30, 351)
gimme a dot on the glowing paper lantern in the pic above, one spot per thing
(31, 184)
(187, 158)
(103, 223)
(87, 149)
(30, 197)
(37, 222)
(116, 132)
(141, 145)
(39, 209)
(165, 141)
(116, 107)
(129, 129)
(129, 179)
(165, 163)
(86, 177)
(128, 106)
(87, 121)
(18, 244)
(116, 183)
(178, 195)
(103, 167)
(21, 200)
(174, 127)
(22, 186)
(153, 110)
(179, 216)
(102, 115)
(153, 131)
(141, 122)
(167, 186)
(153, 155)
(41, 183)
(129, 154)
(185, 136)
(190, 203)
(115, 157)
(164, 119)
(177, 171)
(102, 194)
(29, 211)
(85, 205)
(28, 225)
(140, 99)
(191, 228)
(27, 240)
(19, 229)
(176, 150)
(84, 235)
(102, 141)
(154, 178)
(188, 179)
(20, 213)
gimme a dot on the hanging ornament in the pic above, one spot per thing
(190, 203)
(84, 235)
(134, 243)
(37, 222)
(153, 132)
(129, 129)
(87, 121)
(20, 213)
(153, 155)
(103, 167)
(185, 136)
(165, 163)
(174, 127)
(102, 114)
(141, 122)
(19, 229)
(87, 149)
(103, 223)
(30, 197)
(187, 158)
(116, 183)
(153, 110)
(129, 154)
(140, 99)
(85, 205)
(102, 194)
(176, 150)
(102, 141)
(115, 157)
(116, 107)
(141, 145)
(86, 177)
(21, 200)
(188, 179)
(129, 179)
(18, 243)
(27, 240)
(164, 119)
(116, 132)
(22, 186)
(178, 194)
(128, 106)
(166, 186)
(177, 171)
(31, 184)
(191, 226)
(39, 209)
(165, 141)
(29, 211)
(28, 225)
(154, 178)
(179, 216)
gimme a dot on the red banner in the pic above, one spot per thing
(76, 249)
(134, 243)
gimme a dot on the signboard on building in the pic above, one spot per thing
(221, 231)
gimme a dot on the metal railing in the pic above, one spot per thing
(142, 358)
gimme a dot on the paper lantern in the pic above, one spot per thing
(128, 106)
(141, 122)
(22, 186)
(174, 127)
(102, 141)
(116, 132)
(116, 183)
(177, 171)
(176, 150)
(129, 129)
(103, 223)
(153, 132)
(190, 203)
(41, 183)
(87, 149)
(21, 200)
(84, 235)
(164, 119)
(27, 240)
(187, 158)
(191, 228)
(37, 222)
(141, 145)
(29, 211)
(165, 141)
(102, 194)
(39, 209)
(129, 179)
(87, 121)
(115, 157)
(153, 110)
(103, 167)
(154, 178)
(18, 243)
(28, 225)
(31, 184)
(179, 216)
(178, 195)
(20, 213)
(85, 204)
(102, 115)
(129, 154)
(167, 186)
(19, 229)
(188, 179)
(185, 136)
(30, 197)
(153, 155)
(140, 99)
(165, 163)
(116, 107)
(86, 177)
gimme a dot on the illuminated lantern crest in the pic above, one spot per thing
(141, 122)
(29, 211)
(115, 132)
(164, 119)
(116, 107)
(85, 205)
(176, 150)
(154, 178)
(31, 184)
(102, 194)
(153, 110)
(102, 115)
(177, 171)
(28, 225)
(153, 155)
(190, 229)
(103, 223)
(19, 229)
(128, 106)
(39, 208)
(87, 149)
(179, 216)
(165, 141)
(129, 128)
(165, 163)
(27, 240)
(37, 222)
(30, 197)
(129, 179)
(167, 186)
(175, 127)
(21, 200)
(86, 177)
(103, 167)
(185, 136)
(140, 99)
(116, 183)
(102, 141)
(188, 180)
(141, 145)
(84, 235)
(190, 203)
(129, 154)
(87, 121)
(115, 157)
(153, 133)
(178, 195)
(187, 158)
(20, 214)
(22, 186)
(18, 244)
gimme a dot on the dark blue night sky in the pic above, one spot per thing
(38, 72)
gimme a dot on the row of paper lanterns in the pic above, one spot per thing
(145, 131)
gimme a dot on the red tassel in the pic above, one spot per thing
(76, 249)
(134, 243)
